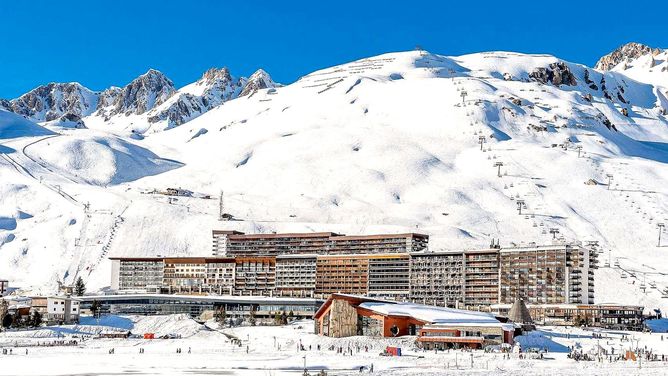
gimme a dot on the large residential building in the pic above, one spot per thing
(547, 275)
(234, 243)
(476, 279)
(396, 267)
(295, 275)
(141, 274)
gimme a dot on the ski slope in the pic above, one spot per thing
(390, 143)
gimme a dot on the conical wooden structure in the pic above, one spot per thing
(519, 313)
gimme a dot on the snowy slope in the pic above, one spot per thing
(384, 144)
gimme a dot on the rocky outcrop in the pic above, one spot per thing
(5, 105)
(589, 82)
(49, 102)
(625, 53)
(214, 88)
(72, 120)
(556, 73)
(139, 96)
(257, 81)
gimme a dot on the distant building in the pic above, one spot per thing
(234, 243)
(57, 309)
(435, 327)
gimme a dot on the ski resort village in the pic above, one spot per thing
(410, 213)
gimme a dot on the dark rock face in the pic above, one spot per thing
(557, 74)
(627, 52)
(142, 94)
(73, 118)
(589, 82)
(49, 102)
(605, 121)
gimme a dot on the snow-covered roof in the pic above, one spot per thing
(433, 315)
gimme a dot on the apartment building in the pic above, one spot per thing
(389, 276)
(437, 278)
(295, 275)
(347, 274)
(198, 275)
(547, 274)
(481, 278)
(395, 267)
(230, 243)
(137, 273)
(255, 276)
(171, 275)
(476, 279)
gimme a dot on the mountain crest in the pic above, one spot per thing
(627, 52)
(51, 101)
(257, 81)
(139, 96)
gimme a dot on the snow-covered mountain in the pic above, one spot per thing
(49, 102)
(152, 95)
(214, 88)
(404, 141)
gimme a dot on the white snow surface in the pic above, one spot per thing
(273, 350)
(383, 144)
(434, 315)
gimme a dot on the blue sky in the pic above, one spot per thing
(104, 43)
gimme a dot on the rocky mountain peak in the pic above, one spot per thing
(213, 75)
(51, 101)
(139, 96)
(627, 52)
(257, 81)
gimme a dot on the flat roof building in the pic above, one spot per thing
(232, 243)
